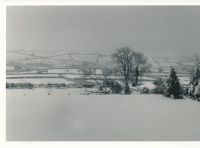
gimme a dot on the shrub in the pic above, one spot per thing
(114, 85)
(20, 85)
(185, 90)
(160, 86)
(145, 90)
(197, 91)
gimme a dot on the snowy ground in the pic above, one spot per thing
(35, 115)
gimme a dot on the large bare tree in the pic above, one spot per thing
(131, 65)
(141, 66)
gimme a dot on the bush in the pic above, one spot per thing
(185, 90)
(114, 85)
(145, 90)
(197, 92)
(127, 90)
(160, 86)
(51, 85)
(155, 91)
(62, 85)
(116, 88)
(20, 85)
(88, 85)
(159, 81)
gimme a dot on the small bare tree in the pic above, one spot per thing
(91, 73)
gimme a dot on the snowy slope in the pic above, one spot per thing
(35, 115)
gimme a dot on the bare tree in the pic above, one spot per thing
(141, 66)
(131, 65)
(123, 58)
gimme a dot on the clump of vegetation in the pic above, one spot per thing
(20, 85)
(50, 85)
(195, 75)
(193, 89)
(114, 85)
(31, 86)
(160, 86)
(145, 90)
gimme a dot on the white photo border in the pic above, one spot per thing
(4, 143)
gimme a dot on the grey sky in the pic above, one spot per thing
(154, 30)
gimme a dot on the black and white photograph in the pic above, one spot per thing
(103, 73)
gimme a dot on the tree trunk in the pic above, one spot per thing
(135, 83)
(127, 88)
(136, 77)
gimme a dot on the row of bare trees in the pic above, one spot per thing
(130, 65)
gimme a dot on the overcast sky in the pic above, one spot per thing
(154, 30)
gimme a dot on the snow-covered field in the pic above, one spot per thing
(35, 115)
(40, 81)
